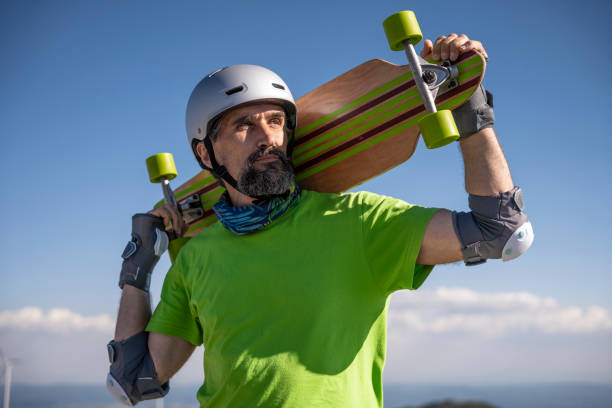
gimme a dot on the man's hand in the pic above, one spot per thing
(172, 220)
(451, 47)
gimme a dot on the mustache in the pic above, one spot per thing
(264, 152)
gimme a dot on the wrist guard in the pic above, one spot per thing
(475, 114)
(149, 241)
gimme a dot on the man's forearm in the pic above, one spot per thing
(486, 169)
(134, 312)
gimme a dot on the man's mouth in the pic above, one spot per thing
(268, 158)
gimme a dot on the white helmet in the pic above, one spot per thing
(229, 87)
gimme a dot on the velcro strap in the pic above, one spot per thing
(471, 254)
(136, 270)
(147, 383)
(466, 228)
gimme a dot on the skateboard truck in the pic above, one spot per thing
(161, 169)
(191, 208)
(435, 76)
(403, 33)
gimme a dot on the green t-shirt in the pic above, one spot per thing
(294, 315)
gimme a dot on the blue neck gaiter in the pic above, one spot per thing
(244, 220)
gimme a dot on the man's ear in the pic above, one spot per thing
(203, 153)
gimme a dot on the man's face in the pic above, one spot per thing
(252, 145)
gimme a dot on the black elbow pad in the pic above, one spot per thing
(132, 377)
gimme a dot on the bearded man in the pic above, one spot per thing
(289, 292)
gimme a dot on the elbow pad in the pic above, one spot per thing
(496, 228)
(132, 377)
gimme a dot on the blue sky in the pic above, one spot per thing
(90, 89)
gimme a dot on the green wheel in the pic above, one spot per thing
(175, 246)
(438, 129)
(161, 166)
(402, 26)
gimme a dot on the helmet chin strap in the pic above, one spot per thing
(221, 171)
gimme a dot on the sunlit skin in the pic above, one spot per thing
(486, 173)
(242, 132)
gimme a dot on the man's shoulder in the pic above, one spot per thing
(349, 200)
(204, 238)
(356, 203)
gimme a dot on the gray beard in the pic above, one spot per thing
(277, 178)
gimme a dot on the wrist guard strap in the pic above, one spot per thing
(475, 114)
(149, 241)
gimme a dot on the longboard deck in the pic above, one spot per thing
(351, 129)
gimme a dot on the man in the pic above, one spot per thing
(289, 293)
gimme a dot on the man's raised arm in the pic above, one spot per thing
(496, 227)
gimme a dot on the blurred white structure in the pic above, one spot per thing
(6, 368)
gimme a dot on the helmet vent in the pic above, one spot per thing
(234, 90)
(279, 86)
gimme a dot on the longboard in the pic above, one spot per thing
(351, 129)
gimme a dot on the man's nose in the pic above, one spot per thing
(266, 136)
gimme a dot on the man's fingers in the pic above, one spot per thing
(472, 45)
(427, 48)
(455, 46)
(445, 46)
(176, 218)
(436, 47)
(163, 213)
(170, 215)
(451, 47)
(177, 221)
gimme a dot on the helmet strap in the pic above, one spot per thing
(291, 137)
(219, 171)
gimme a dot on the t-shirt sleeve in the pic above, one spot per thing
(174, 315)
(393, 231)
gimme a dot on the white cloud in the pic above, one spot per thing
(441, 310)
(445, 310)
(57, 320)
(444, 334)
